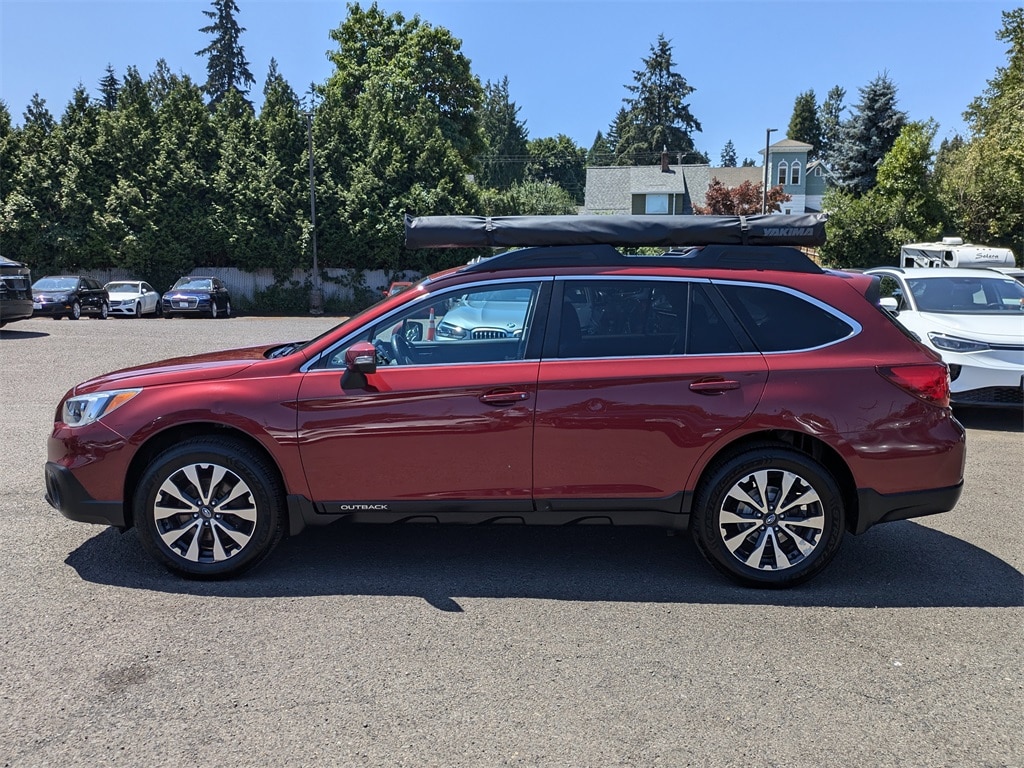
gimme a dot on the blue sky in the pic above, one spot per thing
(567, 61)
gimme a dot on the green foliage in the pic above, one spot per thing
(559, 161)
(600, 152)
(804, 124)
(728, 158)
(504, 162)
(657, 117)
(531, 198)
(867, 136)
(227, 69)
(830, 118)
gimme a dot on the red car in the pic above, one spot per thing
(731, 387)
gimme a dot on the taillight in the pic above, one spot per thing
(928, 381)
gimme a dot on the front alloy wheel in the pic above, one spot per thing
(770, 517)
(209, 508)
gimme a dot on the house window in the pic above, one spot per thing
(783, 173)
(656, 204)
(794, 173)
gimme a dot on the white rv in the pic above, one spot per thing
(954, 252)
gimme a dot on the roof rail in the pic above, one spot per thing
(751, 257)
(806, 229)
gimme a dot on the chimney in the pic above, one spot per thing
(664, 159)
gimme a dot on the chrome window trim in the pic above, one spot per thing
(350, 338)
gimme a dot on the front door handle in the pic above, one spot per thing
(713, 386)
(504, 397)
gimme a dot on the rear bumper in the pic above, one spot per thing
(65, 494)
(875, 508)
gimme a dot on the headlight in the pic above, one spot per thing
(449, 331)
(85, 409)
(953, 344)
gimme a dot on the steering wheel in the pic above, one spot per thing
(404, 352)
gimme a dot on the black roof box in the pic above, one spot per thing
(807, 229)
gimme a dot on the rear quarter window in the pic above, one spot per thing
(779, 321)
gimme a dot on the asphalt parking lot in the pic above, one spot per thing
(424, 646)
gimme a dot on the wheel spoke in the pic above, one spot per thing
(170, 489)
(174, 535)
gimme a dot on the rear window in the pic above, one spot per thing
(779, 321)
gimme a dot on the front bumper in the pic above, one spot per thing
(65, 494)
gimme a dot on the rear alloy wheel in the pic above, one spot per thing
(227, 309)
(210, 507)
(770, 517)
(104, 311)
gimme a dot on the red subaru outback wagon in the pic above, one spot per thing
(729, 386)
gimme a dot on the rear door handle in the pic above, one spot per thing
(713, 386)
(504, 396)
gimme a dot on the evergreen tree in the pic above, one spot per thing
(160, 83)
(830, 116)
(728, 158)
(868, 135)
(559, 161)
(82, 185)
(600, 152)
(748, 162)
(28, 227)
(109, 86)
(7, 157)
(659, 118)
(531, 198)
(282, 143)
(226, 66)
(615, 130)
(125, 154)
(504, 162)
(804, 124)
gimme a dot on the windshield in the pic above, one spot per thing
(122, 287)
(194, 284)
(55, 284)
(967, 295)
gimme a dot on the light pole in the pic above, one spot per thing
(764, 189)
(316, 298)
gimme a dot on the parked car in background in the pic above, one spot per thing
(737, 390)
(15, 291)
(69, 296)
(197, 295)
(973, 318)
(1017, 273)
(133, 298)
(397, 287)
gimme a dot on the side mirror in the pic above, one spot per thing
(889, 304)
(360, 361)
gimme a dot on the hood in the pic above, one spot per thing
(188, 292)
(204, 367)
(996, 328)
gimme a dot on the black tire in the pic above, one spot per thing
(213, 310)
(138, 310)
(739, 520)
(76, 311)
(168, 315)
(227, 309)
(104, 311)
(223, 526)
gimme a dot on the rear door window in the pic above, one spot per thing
(781, 321)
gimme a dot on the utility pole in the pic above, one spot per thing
(764, 189)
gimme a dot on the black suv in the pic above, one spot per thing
(69, 296)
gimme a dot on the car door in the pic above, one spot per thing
(638, 376)
(442, 425)
(91, 294)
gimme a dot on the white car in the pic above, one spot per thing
(133, 298)
(974, 318)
